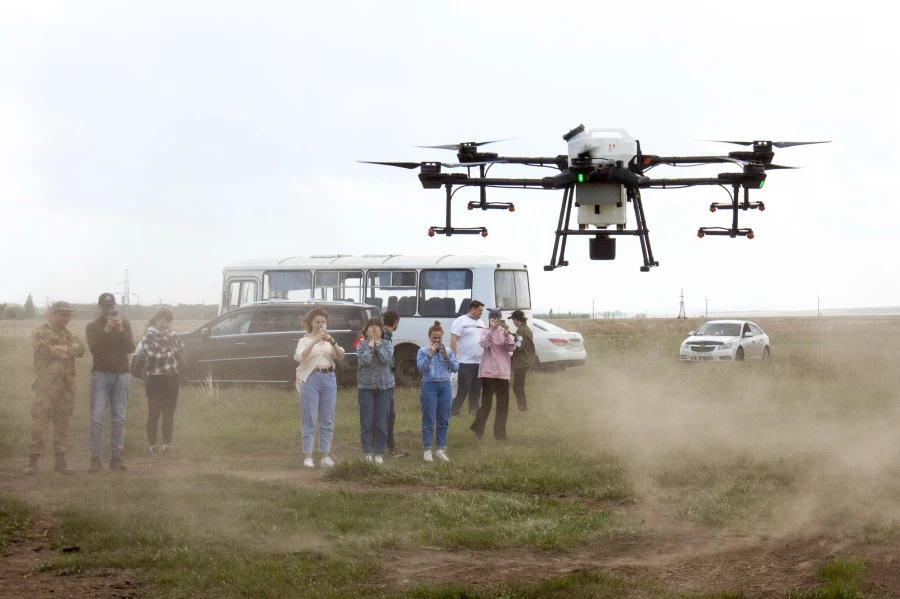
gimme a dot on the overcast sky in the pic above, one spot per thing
(171, 138)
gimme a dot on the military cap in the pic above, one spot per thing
(61, 307)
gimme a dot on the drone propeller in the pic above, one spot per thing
(768, 167)
(412, 165)
(409, 165)
(467, 144)
(777, 144)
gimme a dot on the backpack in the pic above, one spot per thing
(138, 362)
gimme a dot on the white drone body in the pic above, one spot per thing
(602, 204)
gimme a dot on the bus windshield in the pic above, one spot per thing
(511, 290)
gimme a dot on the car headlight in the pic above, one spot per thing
(726, 345)
(685, 345)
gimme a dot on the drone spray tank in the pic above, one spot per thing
(601, 204)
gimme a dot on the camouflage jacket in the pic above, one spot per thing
(47, 362)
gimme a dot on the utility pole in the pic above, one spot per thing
(707, 308)
(818, 307)
(681, 314)
(126, 295)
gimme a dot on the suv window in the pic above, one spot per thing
(276, 321)
(233, 324)
(343, 318)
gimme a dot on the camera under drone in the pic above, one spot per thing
(603, 171)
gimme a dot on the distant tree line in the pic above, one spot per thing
(28, 311)
(576, 315)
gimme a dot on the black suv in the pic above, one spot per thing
(256, 342)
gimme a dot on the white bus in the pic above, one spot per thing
(421, 289)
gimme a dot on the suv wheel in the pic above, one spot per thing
(407, 375)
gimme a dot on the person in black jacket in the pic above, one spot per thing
(110, 341)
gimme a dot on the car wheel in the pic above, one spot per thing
(765, 355)
(739, 355)
(407, 375)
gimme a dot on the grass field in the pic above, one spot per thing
(634, 476)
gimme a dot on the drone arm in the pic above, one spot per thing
(651, 160)
(682, 182)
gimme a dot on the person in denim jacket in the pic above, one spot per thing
(374, 384)
(436, 362)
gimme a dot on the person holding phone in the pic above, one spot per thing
(110, 340)
(317, 386)
(436, 362)
(494, 372)
(375, 387)
(522, 358)
(162, 348)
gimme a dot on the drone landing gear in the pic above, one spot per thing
(603, 245)
(449, 229)
(735, 205)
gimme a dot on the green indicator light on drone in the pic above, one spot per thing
(761, 183)
(581, 177)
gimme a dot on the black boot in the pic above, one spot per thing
(116, 463)
(61, 465)
(95, 464)
(31, 468)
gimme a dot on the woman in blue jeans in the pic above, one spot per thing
(316, 353)
(436, 362)
(374, 383)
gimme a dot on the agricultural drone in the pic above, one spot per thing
(602, 172)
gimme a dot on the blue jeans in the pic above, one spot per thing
(374, 409)
(108, 389)
(436, 398)
(318, 396)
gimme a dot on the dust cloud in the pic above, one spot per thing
(811, 436)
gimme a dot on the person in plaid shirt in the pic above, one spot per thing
(161, 347)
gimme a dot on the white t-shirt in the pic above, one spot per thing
(468, 346)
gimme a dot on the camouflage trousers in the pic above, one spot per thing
(54, 402)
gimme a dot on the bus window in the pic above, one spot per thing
(511, 290)
(339, 285)
(240, 293)
(288, 284)
(393, 290)
(444, 292)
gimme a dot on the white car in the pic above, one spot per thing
(556, 347)
(726, 341)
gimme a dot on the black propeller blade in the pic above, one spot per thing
(412, 165)
(769, 167)
(409, 165)
(777, 144)
(468, 144)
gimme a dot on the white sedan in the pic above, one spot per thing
(556, 347)
(726, 341)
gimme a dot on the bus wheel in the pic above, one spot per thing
(407, 374)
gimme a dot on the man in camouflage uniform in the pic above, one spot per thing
(55, 350)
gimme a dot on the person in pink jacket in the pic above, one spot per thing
(494, 373)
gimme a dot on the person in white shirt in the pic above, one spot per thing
(465, 341)
(316, 353)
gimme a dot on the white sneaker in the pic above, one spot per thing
(308, 462)
(428, 457)
(379, 460)
(367, 458)
(327, 462)
(441, 455)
